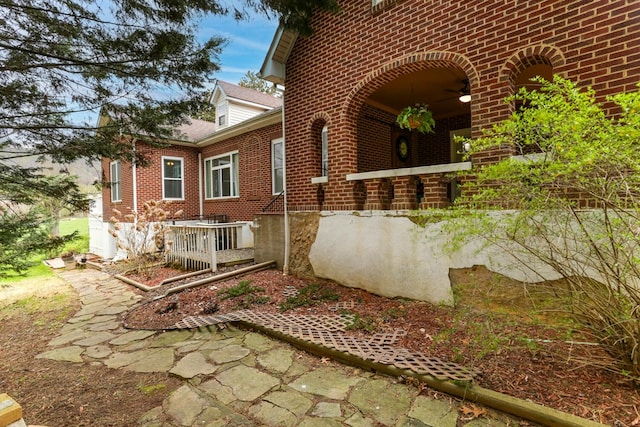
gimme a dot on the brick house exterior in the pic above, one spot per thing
(337, 78)
(348, 186)
(252, 122)
(345, 85)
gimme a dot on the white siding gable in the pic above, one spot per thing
(239, 113)
(235, 104)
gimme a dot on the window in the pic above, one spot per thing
(116, 194)
(523, 80)
(172, 178)
(325, 152)
(222, 120)
(277, 166)
(221, 176)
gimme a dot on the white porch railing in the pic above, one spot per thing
(195, 246)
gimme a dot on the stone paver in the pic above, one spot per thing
(326, 382)
(382, 401)
(234, 377)
(193, 364)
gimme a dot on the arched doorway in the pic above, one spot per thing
(382, 144)
(399, 167)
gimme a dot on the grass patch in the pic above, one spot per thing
(39, 304)
(245, 294)
(151, 388)
(49, 312)
(311, 294)
(241, 289)
(38, 269)
(362, 323)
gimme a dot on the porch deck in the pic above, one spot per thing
(204, 246)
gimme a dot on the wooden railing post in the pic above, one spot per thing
(211, 232)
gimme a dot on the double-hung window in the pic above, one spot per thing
(114, 183)
(277, 166)
(172, 178)
(221, 176)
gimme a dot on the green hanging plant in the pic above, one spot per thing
(418, 117)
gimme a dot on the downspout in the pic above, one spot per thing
(200, 204)
(135, 182)
(134, 179)
(287, 232)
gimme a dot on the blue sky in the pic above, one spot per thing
(248, 42)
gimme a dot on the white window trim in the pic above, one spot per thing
(115, 183)
(178, 159)
(235, 174)
(273, 164)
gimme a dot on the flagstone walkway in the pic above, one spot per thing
(235, 377)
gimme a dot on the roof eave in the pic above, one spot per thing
(267, 118)
(274, 66)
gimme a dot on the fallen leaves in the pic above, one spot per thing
(472, 411)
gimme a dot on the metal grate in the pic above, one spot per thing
(328, 331)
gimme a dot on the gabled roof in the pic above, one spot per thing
(194, 130)
(245, 95)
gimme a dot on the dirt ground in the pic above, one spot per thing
(506, 330)
(519, 349)
(58, 394)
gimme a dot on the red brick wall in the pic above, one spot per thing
(150, 178)
(375, 129)
(254, 157)
(254, 151)
(149, 181)
(435, 149)
(354, 52)
(126, 188)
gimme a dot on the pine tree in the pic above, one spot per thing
(63, 61)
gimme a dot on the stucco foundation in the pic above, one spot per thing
(388, 254)
(383, 252)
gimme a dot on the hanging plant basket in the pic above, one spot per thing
(418, 118)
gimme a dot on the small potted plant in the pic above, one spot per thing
(418, 117)
(69, 259)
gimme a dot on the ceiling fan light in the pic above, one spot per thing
(465, 97)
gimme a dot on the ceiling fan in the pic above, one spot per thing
(464, 93)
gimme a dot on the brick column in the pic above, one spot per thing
(377, 194)
(404, 193)
(435, 191)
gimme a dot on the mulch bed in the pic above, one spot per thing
(516, 354)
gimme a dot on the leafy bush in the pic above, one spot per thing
(576, 200)
(140, 234)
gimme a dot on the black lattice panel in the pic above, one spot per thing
(328, 331)
(330, 323)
